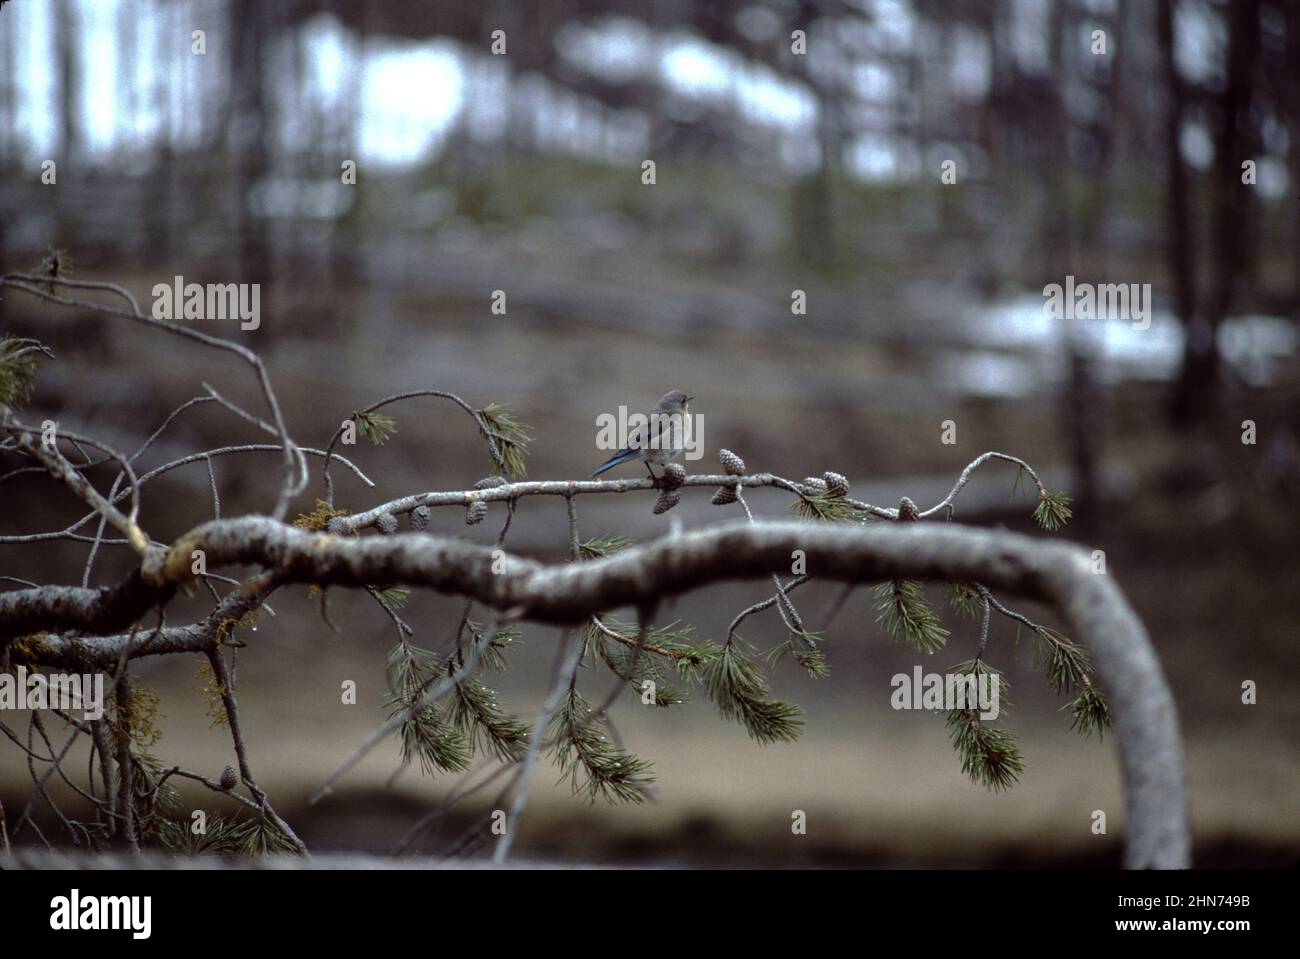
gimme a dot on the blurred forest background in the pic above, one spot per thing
(775, 172)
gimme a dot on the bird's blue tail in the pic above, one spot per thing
(622, 456)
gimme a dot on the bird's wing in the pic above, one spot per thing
(668, 430)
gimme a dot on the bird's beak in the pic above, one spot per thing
(689, 398)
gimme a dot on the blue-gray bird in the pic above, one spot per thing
(668, 427)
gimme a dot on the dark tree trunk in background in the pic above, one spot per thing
(1180, 247)
(1078, 404)
(1199, 381)
(69, 80)
(249, 132)
(815, 196)
(1059, 227)
(1291, 99)
(66, 37)
(10, 157)
(136, 242)
(159, 248)
(346, 244)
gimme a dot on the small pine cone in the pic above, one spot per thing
(667, 500)
(338, 526)
(674, 476)
(229, 778)
(724, 495)
(817, 484)
(836, 483)
(732, 464)
(420, 518)
(907, 510)
(386, 523)
(487, 482)
(475, 512)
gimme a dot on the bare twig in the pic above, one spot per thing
(34, 284)
(566, 663)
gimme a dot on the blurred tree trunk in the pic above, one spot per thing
(814, 197)
(10, 152)
(128, 17)
(249, 131)
(65, 40)
(69, 77)
(1198, 384)
(1180, 248)
(1078, 404)
(160, 214)
(345, 244)
(1291, 97)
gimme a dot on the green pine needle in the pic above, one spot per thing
(671, 640)
(814, 661)
(17, 370)
(478, 717)
(809, 656)
(966, 600)
(603, 546)
(148, 771)
(736, 686)
(375, 427)
(826, 507)
(694, 658)
(1090, 712)
(1053, 510)
(428, 734)
(989, 755)
(151, 809)
(503, 640)
(594, 765)
(1065, 662)
(262, 837)
(624, 662)
(906, 614)
(511, 437)
(394, 597)
(222, 837)
(667, 696)
(636, 670)
(438, 745)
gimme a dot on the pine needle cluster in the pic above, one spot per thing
(989, 755)
(662, 644)
(17, 370)
(594, 765)
(809, 656)
(511, 437)
(426, 734)
(160, 820)
(965, 600)
(827, 507)
(473, 720)
(736, 685)
(1068, 669)
(602, 546)
(487, 727)
(393, 597)
(503, 640)
(376, 427)
(1053, 510)
(153, 800)
(906, 614)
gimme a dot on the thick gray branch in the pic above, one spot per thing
(1059, 574)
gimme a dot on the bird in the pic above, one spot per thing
(668, 427)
